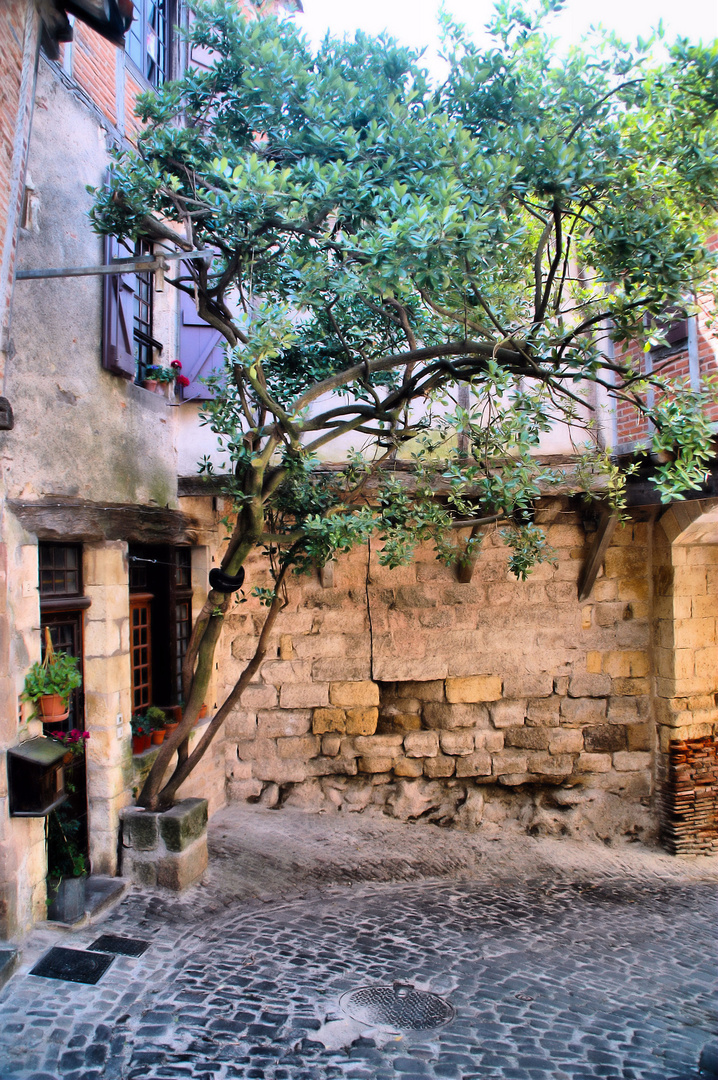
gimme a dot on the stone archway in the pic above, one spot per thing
(686, 666)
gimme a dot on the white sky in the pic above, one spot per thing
(413, 22)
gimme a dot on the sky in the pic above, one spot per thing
(413, 22)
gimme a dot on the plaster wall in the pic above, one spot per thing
(80, 430)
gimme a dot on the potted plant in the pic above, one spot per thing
(180, 380)
(67, 867)
(156, 375)
(50, 683)
(74, 741)
(157, 721)
(141, 737)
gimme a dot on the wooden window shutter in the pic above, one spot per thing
(118, 343)
(200, 350)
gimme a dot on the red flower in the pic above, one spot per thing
(176, 364)
(182, 380)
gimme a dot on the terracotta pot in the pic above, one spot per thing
(169, 728)
(140, 743)
(150, 384)
(202, 712)
(158, 737)
(53, 709)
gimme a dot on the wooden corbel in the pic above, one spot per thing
(597, 553)
(326, 574)
(466, 564)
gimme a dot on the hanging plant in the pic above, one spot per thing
(49, 684)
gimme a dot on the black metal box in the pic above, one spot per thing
(36, 777)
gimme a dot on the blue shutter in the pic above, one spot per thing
(200, 350)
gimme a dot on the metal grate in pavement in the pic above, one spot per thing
(398, 1006)
(71, 965)
(121, 946)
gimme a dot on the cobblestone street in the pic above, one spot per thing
(560, 960)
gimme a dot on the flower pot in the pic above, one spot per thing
(68, 902)
(140, 743)
(150, 384)
(158, 737)
(169, 728)
(53, 709)
(202, 712)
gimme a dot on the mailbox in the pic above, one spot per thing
(36, 777)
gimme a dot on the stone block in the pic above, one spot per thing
(409, 767)
(593, 763)
(386, 745)
(509, 761)
(256, 749)
(240, 724)
(631, 663)
(476, 764)
(183, 824)
(589, 686)
(565, 742)
(489, 740)
(439, 766)
(552, 765)
(581, 711)
(298, 746)
(475, 688)
(375, 764)
(449, 717)
(508, 713)
(279, 672)
(330, 669)
(362, 721)
(639, 736)
(140, 829)
(331, 745)
(631, 761)
(631, 687)
(243, 790)
(281, 772)
(421, 744)
(272, 723)
(179, 871)
(604, 738)
(626, 710)
(528, 738)
(528, 686)
(354, 693)
(401, 721)
(325, 720)
(422, 691)
(259, 696)
(303, 695)
(457, 742)
(543, 712)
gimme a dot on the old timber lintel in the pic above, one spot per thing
(86, 522)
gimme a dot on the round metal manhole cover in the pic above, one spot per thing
(398, 1006)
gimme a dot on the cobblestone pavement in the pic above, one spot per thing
(589, 970)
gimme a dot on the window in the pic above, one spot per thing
(127, 341)
(147, 41)
(161, 622)
(673, 326)
(61, 607)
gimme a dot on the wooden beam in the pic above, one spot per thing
(85, 522)
(595, 557)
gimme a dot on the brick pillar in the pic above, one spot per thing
(107, 697)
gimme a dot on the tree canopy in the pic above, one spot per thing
(438, 273)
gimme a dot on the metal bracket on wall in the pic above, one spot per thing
(122, 266)
(594, 560)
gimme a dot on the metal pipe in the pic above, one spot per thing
(119, 267)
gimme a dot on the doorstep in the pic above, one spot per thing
(101, 893)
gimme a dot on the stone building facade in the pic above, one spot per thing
(407, 690)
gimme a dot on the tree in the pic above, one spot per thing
(382, 243)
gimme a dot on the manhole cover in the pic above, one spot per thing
(396, 1006)
(122, 946)
(73, 965)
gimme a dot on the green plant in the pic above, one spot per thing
(139, 725)
(159, 373)
(57, 674)
(155, 718)
(65, 855)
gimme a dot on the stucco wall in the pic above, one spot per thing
(79, 430)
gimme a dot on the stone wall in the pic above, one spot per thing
(408, 690)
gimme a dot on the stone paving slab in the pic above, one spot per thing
(584, 972)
